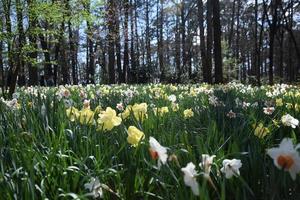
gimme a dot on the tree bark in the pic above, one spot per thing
(111, 41)
(209, 41)
(126, 41)
(217, 42)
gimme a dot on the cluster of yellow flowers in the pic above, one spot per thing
(108, 118)
(188, 113)
(139, 112)
(84, 116)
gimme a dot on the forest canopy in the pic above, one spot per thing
(53, 42)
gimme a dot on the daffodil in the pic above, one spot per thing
(188, 113)
(140, 111)
(126, 113)
(288, 120)
(175, 107)
(95, 188)
(279, 102)
(86, 116)
(160, 111)
(158, 152)
(72, 113)
(134, 136)
(269, 110)
(261, 131)
(189, 178)
(231, 167)
(286, 157)
(108, 119)
(206, 163)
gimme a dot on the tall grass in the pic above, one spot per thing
(45, 155)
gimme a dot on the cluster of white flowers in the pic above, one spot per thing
(230, 168)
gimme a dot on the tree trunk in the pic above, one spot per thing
(205, 67)
(21, 43)
(217, 42)
(2, 82)
(137, 42)
(111, 40)
(256, 49)
(126, 41)
(177, 48)
(118, 43)
(209, 41)
(272, 33)
(73, 49)
(183, 44)
(133, 70)
(160, 43)
(148, 47)
(32, 69)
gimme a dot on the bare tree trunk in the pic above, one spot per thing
(126, 41)
(137, 43)
(272, 33)
(118, 42)
(256, 49)
(21, 41)
(148, 47)
(217, 42)
(2, 82)
(232, 24)
(183, 40)
(209, 41)
(160, 44)
(133, 70)
(111, 40)
(177, 47)
(63, 56)
(205, 66)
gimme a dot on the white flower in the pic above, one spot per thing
(286, 157)
(288, 120)
(172, 98)
(269, 110)
(190, 177)
(120, 106)
(206, 163)
(86, 104)
(245, 105)
(158, 152)
(94, 186)
(231, 167)
(231, 114)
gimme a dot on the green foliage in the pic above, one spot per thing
(230, 63)
(45, 154)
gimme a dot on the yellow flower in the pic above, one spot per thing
(276, 123)
(161, 111)
(109, 119)
(134, 136)
(72, 113)
(279, 102)
(140, 111)
(188, 113)
(297, 107)
(125, 114)
(289, 105)
(98, 109)
(261, 131)
(175, 107)
(30, 104)
(86, 116)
